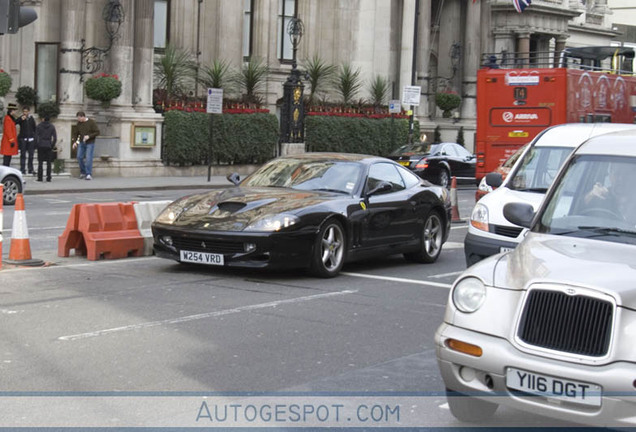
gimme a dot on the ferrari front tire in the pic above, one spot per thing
(329, 250)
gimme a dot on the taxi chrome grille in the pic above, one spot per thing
(576, 324)
(212, 246)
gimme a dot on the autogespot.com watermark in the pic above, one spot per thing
(300, 413)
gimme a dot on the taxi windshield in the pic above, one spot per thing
(595, 198)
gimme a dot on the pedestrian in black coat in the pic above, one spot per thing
(45, 139)
(26, 140)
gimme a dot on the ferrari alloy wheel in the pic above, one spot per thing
(443, 178)
(329, 251)
(12, 188)
(431, 240)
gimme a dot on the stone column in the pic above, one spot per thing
(423, 56)
(472, 53)
(144, 53)
(558, 48)
(523, 49)
(121, 55)
(406, 45)
(73, 31)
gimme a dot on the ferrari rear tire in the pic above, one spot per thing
(329, 250)
(431, 238)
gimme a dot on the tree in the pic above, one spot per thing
(347, 83)
(460, 137)
(175, 72)
(216, 75)
(251, 79)
(379, 89)
(319, 75)
(437, 135)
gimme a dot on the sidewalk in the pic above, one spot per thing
(64, 183)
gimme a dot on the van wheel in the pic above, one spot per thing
(469, 409)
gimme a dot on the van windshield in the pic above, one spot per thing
(595, 198)
(538, 168)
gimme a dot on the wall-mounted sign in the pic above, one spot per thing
(143, 136)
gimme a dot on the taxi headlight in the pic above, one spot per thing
(479, 217)
(469, 294)
(270, 223)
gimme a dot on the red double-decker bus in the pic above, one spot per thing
(514, 104)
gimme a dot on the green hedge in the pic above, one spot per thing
(238, 138)
(356, 135)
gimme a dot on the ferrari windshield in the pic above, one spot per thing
(325, 175)
(595, 198)
(538, 168)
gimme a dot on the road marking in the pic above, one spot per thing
(453, 245)
(447, 274)
(463, 226)
(395, 279)
(204, 315)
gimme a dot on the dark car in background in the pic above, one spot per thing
(437, 163)
(315, 210)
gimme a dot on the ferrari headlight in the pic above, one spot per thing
(171, 213)
(469, 294)
(270, 223)
(479, 217)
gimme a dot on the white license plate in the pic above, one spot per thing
(552, 387)
(506, 249)
(202, 258)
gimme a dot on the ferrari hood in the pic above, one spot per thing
(236, 208)
(604, 266)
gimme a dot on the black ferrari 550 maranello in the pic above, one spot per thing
(315, 210)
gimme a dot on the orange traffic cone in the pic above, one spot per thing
(20, 251)
(453, 196)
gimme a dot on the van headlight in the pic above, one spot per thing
(469, 294)
(479, 217)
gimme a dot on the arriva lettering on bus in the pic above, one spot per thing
(509, 117)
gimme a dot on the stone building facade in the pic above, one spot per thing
(435, 44)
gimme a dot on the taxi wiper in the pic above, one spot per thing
(607, 230)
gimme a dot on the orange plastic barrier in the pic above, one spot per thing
(107, 230)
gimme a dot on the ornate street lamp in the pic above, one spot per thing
(292, 128)
(92, 58)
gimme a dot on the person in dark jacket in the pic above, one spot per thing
(26, 138)
(45, 139)
(87, 131)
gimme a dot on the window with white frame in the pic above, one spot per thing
(286, 11)
(161, 23)
(248, 6)
(46, 71)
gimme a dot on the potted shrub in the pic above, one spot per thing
(5, 82)
(447, 101)
(48, 109)
(26, 96)
(103, 87)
